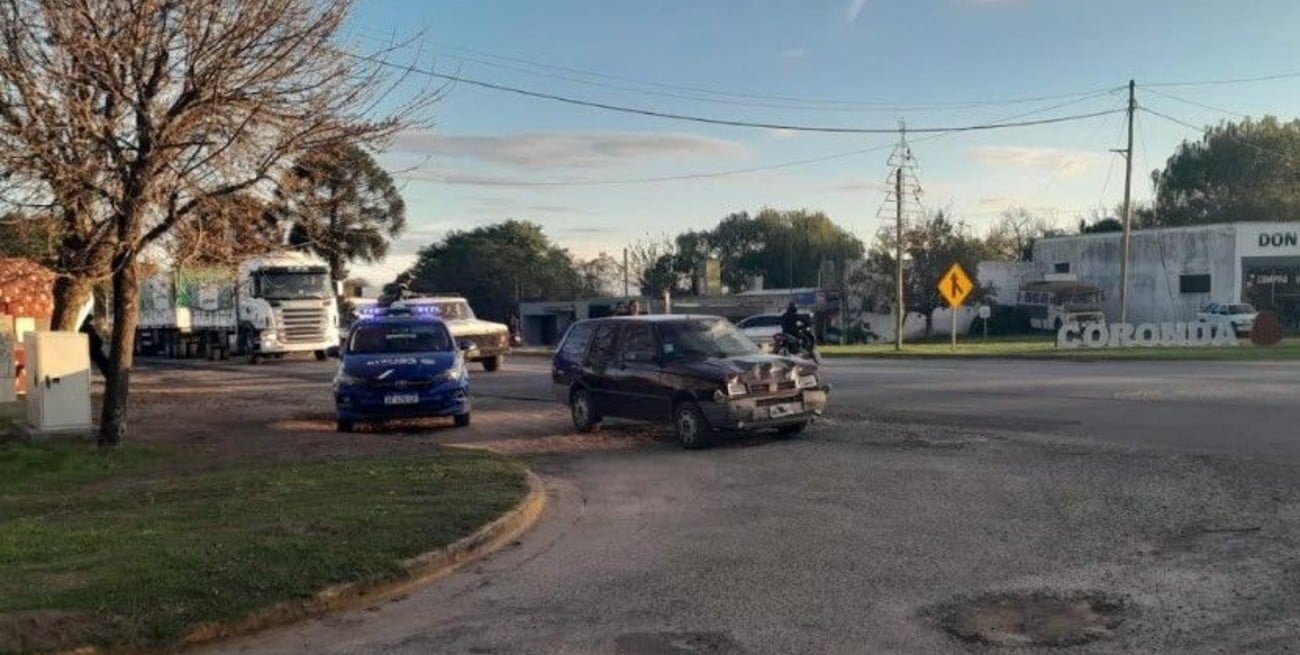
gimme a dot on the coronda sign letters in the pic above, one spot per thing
(1145, 335)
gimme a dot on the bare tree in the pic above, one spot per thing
(225, 229)
(123, 117)
(1012, 236)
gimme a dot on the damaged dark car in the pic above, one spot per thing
(698, 373)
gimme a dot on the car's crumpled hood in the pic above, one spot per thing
(747, 367)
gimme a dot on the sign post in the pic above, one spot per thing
(955, 286)
(986, 312)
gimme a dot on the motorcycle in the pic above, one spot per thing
(804, 345)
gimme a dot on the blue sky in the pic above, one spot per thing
(861, 63)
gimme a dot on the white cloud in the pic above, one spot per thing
(794, 53)
(781, 133)
(854, 9)
(567, 149)
(1071, 163)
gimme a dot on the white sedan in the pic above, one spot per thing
(1240, 315)
(762, 328)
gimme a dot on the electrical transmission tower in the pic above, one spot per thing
(903, 201)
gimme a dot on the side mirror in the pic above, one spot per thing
(338, 289)
(333, 352)
(466, 345)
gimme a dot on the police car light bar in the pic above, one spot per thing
(399, 310)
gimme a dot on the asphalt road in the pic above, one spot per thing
(1171, 487)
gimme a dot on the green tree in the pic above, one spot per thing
(496, 267)
(787, 248)
(1237, 172)
(929, 249)
(342, 206)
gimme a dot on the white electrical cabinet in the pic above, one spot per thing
(8, 367)
(58, 381)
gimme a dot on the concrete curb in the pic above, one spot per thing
(420, 570)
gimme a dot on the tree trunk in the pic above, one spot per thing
(121, 355)
(70, 295)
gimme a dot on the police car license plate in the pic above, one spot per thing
(785, 409)
(402, 399)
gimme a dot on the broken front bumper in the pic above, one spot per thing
(757, 413)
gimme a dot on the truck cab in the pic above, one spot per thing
(491, 341)
(286, 304)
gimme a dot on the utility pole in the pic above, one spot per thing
(1128, 206)
(905, 192)
(898, 259)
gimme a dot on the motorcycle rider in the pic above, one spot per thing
(796, 328)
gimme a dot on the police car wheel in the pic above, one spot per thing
(343, 426)
(461, 420)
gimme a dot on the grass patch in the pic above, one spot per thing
(1045, 348)
(119, 550)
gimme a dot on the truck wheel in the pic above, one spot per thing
(493, 363)
(461, 420)
(583, 410)
(692, 428)
(320, 355)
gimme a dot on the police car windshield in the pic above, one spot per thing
(391, 338)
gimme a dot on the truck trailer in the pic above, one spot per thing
(267, 306)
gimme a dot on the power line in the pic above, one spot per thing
(671, 178)
(1194, 103)
(1203, 130)
(708, 174)
(1221, 82)
(736, 98)
(459, 79)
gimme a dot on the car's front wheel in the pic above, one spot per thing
(692, 428)
(492, 363)
(461, 420)
(583, 411)
(343, 426)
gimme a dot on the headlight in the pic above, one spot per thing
(450, 375)
(807, 381)
(736, 388)
(343, 379)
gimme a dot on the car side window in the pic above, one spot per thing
(639, 343)
(575, 345)
(604, 345)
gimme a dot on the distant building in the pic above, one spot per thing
(1176, 271)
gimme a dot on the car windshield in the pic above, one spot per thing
(704, 338)
(453, 310)
(413, 338)
(293, 286)
(1241, 309)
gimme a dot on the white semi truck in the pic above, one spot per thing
(267, 306)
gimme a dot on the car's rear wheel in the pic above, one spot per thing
(461, 420)
(492, 363)
(583, 411)
(788, 431)
(692, 428)
(343, 426)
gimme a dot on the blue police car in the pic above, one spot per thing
(400, 363)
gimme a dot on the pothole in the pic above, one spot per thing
(1038, 618)
(676, 643)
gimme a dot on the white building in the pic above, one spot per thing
(1173, 272)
